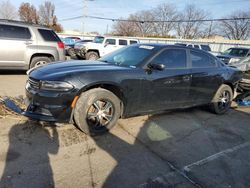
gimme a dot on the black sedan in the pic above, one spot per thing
(138, 79)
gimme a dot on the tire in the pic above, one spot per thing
(38, 61)
(222, 100)
(92, 55)
(72, 53)
(92, 121)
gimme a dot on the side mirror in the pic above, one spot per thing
(106, 44)
(156, 66)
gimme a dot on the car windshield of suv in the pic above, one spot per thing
(130, 56)
(236, 52)
(98, 39)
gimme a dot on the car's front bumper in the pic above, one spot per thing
(80, 52)
(49, 106)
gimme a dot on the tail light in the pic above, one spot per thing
(60, 44)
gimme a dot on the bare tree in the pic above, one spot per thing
(164, 12)
(236, 29)
(28, 13)
(125, 28)
(7, 10)
(47, 13)
(48, 17)
(144, 22)
(191, 29)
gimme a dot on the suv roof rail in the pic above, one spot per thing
(22, 22)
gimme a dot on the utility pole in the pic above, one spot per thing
(107, 29)
(85, 9)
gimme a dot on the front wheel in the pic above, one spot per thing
(97, 111)
(222, 100)
(92, 55)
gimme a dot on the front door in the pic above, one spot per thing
(168, 88)
(110, 45)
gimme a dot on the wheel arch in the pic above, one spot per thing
(41, 55)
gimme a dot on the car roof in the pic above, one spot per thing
(21, 23)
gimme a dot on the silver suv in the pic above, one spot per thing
(24, 46)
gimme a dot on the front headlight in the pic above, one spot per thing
(234, 60)
(55, 86)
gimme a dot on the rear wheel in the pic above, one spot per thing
(38, 61)
(222, 100)
(97, 111)
(92, 55)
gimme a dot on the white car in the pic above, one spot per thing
(101, 46)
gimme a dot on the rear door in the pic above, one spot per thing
(14, 41)
(206, 77)
(168, 88)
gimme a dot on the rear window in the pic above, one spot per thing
(49, 35)
(123, 42)
(133, 42)
(200, 60)
(14, 32)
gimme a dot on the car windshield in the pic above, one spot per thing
(68, 41)
(236, 52)
(130, 56)
(98, 39)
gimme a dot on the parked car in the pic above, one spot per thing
(244, 66)
(234, 55)
(101, 46)
(204, 47)
(25, 46)
(137, 79)
(69, 46)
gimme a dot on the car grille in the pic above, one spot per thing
(34, 83)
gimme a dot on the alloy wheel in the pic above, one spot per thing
(39, 63)
(224, 100)
(100, 113)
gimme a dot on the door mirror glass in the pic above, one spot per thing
(156, 66)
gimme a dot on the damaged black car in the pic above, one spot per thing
(138, 79)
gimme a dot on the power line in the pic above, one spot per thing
(155, 21)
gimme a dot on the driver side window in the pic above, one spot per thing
(172, 58)
(110, 41)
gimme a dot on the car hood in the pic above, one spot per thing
(62, 69)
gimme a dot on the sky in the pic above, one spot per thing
(122, 8)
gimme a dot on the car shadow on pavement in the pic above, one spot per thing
(27, 162)
(177, 139)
